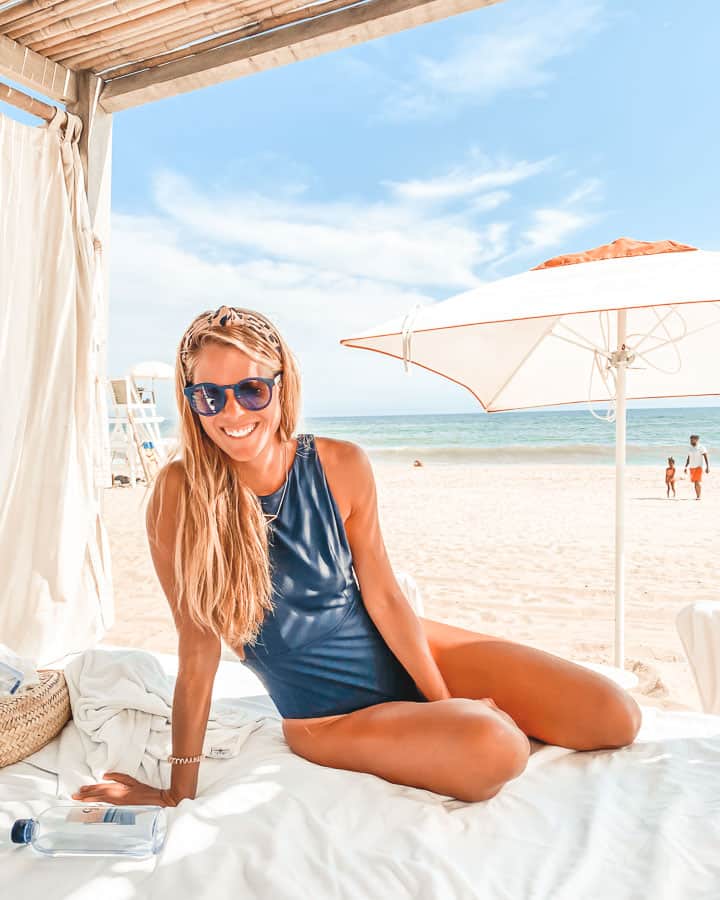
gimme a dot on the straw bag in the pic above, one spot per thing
(31, 719)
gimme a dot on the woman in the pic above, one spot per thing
(273, 543)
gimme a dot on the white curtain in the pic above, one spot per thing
(55, 573)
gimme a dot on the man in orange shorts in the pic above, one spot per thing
(694, 461)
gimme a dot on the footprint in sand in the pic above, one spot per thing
(649, 681)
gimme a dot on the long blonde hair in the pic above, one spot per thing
(222, 569)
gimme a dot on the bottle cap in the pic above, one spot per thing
(21, 831)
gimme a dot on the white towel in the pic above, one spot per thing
(122, 706)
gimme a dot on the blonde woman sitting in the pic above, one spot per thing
(272, 542)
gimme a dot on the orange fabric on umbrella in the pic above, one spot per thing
(614, 250)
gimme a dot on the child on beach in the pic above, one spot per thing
(670, 476)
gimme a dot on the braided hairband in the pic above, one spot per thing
(224, 315)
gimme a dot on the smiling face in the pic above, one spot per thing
(241, 433)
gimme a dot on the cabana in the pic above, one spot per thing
(638, 822)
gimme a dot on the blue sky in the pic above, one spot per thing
(338, 192)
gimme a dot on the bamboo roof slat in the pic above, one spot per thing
(168, 34)
(22, 26)
(157, 41)
(158, 14)
(86, 19)
(18, 10)
(36, 72)
(172, 43)
(373, 19)
(227, 38)
(165, 39)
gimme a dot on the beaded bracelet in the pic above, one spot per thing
(185, 759)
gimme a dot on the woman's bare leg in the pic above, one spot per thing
(549, 698)
(466, 749)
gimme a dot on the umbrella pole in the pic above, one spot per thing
(620, 422)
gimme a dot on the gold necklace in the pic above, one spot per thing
(269, 519)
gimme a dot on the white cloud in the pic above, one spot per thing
(488, 202)
(587, 190)
(467, 180)
(484, 64)
(390, 242)
(551, 226)
(423, 233)
(324, 271)
(159, 286)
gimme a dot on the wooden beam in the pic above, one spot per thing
(36, 72)
(372, 19)
(27, 103)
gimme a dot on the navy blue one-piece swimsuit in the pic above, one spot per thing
(319, 653)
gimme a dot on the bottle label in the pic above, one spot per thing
(92, 815)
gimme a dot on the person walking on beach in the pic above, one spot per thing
(272, 542)
(696, 454)
(670, 476)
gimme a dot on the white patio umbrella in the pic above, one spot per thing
(152, 369)
(628, 320)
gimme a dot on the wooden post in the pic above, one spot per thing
(96, 155)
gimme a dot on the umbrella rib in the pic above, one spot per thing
(583, 342)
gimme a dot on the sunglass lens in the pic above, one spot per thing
(207, 400)
(253, 394)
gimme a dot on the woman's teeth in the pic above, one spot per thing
(243, 432)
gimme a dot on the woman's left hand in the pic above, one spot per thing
(124, 791)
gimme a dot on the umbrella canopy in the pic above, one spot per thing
(152, 369)
(628, 320)
(546, 337)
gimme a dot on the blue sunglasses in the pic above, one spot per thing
(208, 399)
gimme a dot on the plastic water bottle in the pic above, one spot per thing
(94, 830)
(10, 679)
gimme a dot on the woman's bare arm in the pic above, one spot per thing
(383, 598)
(198, 649)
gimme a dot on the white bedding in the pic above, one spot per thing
(641, 822)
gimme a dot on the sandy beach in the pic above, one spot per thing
(521, 552)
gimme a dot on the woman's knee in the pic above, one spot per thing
(619, 718)
(495, 751)
(610, 718)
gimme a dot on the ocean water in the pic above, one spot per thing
(547, 436)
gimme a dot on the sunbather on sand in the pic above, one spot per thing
(273, 543)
